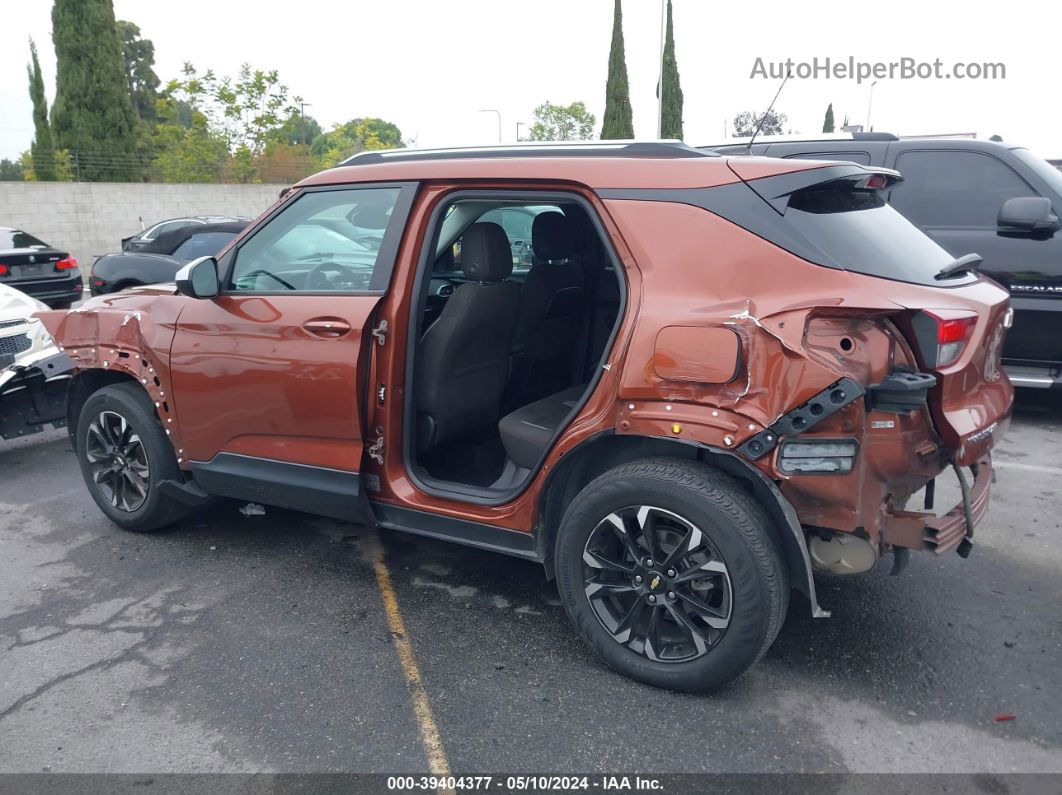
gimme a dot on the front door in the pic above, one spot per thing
(269, 377)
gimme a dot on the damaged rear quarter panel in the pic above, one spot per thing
(791, 317)
(128, 333)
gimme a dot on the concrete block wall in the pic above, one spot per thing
(91, 218)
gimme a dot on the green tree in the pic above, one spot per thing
(562, 123)
(42, 150)
(827, 123)
(187, 150)
(745, 123)
(10, 170)
(245, 110)
(92, 115)
(139, 58)
(62, 166)
(671, 100)
(298, 129)
(356, 135)
(618, 121)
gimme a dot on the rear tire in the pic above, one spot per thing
(125, 455)
(702, 615)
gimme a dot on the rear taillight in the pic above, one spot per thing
(66, 264)
(953, 331)
(4, 270)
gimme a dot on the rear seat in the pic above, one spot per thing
(527, 431)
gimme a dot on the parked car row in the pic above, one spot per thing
(716, 377)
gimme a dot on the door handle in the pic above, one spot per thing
(327, 327)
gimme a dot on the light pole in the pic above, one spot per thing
(870, 104)
(493, 110)
(519, 124)
(302, 108)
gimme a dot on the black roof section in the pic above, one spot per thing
(167, 243)
(659, 149)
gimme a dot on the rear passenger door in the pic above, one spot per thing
(954, 196)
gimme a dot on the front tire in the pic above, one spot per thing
(125, 456)
(668, 570)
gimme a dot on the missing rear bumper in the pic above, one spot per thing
(952, 531)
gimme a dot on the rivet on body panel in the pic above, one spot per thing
(715, 413)
(667, 408)
(729, 441)
(630, 406)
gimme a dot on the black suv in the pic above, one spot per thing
(973, 196)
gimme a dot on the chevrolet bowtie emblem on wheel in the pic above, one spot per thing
(654, 583)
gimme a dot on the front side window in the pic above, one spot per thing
(324, 241)
(951, 188)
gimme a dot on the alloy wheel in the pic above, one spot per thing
(118, 461)
(657, 584)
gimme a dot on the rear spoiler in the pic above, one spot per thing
(777, 190)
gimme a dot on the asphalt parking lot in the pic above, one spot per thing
(233, 643)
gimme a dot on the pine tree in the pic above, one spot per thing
(42, 150)
(671, 112)
(618, 122)
(827, 123)
(92, 116)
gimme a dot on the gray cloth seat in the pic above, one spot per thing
(526, 432)
(546, 342)
(462, 361)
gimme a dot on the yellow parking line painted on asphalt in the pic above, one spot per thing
(429, 732)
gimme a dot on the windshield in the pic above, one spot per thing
(858, 231)
(13, 238)
(1041, 168)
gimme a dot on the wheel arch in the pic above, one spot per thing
(607, 450)
(84, 384)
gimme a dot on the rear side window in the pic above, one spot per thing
(950, 188)
(14, 238)
(858, 231)
(862, 158)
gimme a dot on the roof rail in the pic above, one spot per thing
(874, 136)
(661, 149)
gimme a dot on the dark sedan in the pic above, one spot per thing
(47, 273)
(159, 260)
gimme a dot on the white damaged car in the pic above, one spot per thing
(33, 371)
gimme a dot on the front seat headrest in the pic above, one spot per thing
(485, 253)
(551, 236)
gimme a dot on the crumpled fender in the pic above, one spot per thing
(128, 333)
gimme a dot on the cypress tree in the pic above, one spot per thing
(42, 150)
(92, 116)
(671, 112)
(618, 122)
(827, 123)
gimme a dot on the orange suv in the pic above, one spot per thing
(710, 378)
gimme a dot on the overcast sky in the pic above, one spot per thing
(430, 66)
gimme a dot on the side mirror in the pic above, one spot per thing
(1028, 214)
(199, 278)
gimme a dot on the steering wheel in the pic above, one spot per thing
(317, 280)
(273, 276)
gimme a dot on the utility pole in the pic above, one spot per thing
(498, 112)
(870, 104)
(302, 108)
(519, 124)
